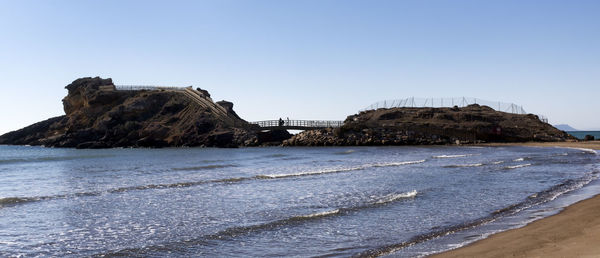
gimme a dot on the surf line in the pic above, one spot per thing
(338, 170)
(544, 196)
(12, 201)
(234, 232)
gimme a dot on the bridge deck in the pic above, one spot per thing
(297, 124)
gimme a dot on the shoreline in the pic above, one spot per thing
(573, 232)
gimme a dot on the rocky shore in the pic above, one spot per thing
(428, 126)
(97, 115)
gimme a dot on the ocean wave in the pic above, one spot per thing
(12, 201)
(394, 197)
(518, 166)
(519, 159)
(338, 170)
(535, 199)
(276, 155)
(16, 200)
(203, 167)
(585, 150)
(308, 173)
(320, 214)
(177, 185)
(345, 152)
(225, 234)
(44, 159)
(453, 156)
(497, 162)
(464, 165)
(392, 164)
(233, 232)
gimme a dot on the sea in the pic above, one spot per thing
(581, 134)
(278, 201)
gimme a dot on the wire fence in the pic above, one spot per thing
(147, 87)
(450, 102)
(446, 102)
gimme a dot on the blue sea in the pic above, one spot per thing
(581, 134)
(274, 201)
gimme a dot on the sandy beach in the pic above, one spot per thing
(574, 232)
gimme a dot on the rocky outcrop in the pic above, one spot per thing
(426, 126)
(97, 116)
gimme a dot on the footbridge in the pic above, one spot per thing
(297, 124)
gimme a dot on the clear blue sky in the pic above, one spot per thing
(307, 59)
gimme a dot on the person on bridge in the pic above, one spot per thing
(281, 122)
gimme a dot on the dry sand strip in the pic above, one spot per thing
(574, 232)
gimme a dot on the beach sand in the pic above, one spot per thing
(574, 232)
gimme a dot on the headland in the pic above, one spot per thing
(100, 115)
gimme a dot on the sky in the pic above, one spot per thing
(321, 59)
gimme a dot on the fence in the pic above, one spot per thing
(147, 87)
(446, 102)
(450, 102)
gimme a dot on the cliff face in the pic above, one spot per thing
(410, 126)
(99, 118)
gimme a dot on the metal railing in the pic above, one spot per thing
(147, 87)
(299, 123)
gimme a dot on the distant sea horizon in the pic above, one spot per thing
(581, 134)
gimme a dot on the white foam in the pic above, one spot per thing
(497, 162)
(398, 163)
(518, 166)
(337, 170)
(452, 156)
(519, 159)
(465, 165)
(584, 150)
(307, 173)
(321, 214)
(395, 197)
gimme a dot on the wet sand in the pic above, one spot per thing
(574, 232)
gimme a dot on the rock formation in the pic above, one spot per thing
(425, 126)
(98, 116)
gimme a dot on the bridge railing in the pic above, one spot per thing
(147, 87)
(299, 123)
